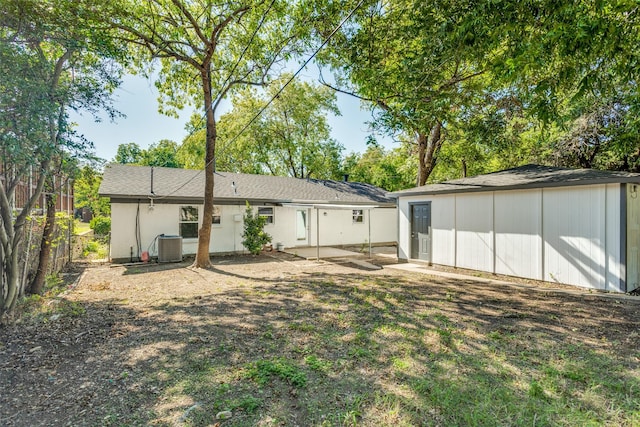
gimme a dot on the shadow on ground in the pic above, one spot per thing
(319, 347)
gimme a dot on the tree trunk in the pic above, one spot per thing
(464, 168)
(37, 285)
(428, 149)
(11, 234)
(204, 233)
(13, 277)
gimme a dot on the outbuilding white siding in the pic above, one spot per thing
(518, 225)
(336, 227)
(569, 235)
(474, 231)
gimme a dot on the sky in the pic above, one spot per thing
(137, 97)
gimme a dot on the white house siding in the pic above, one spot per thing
(336, 228)
(474, 225)
(164, 219)
(568, 234)
(518, 225)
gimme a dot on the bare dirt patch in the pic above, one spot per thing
(277, 340)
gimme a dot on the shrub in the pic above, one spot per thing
(254, 236)
(101, 225)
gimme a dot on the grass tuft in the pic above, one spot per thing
(264, 371)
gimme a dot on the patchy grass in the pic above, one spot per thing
(50, 303)
(336, 348)
(80, 227)
(95, 249)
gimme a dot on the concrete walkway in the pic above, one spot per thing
(325, 252)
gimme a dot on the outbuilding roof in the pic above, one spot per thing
(523, 177)
(171, 184)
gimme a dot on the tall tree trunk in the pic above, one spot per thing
(13, 278)
(11, 235)
(204, 233)
(37, 285)
(428, 149)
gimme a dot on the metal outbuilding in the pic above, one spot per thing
(574, 226)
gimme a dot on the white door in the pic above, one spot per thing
(301, 226)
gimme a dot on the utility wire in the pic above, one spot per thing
(302, 67)
(253, 119)
(233, 69)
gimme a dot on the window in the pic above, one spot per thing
(217, 216)
(267, 213)
(189, 221)
(358, 216)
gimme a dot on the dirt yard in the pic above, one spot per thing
(277, 340)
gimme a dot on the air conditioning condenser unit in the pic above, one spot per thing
(169, 249)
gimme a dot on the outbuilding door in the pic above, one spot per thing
(420, 228)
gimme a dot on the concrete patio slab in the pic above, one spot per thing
(325, 252)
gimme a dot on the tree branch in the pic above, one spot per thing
(191, 19)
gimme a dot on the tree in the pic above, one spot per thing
(391, 170)
(207, 48)
(424, 71)
(164, 153)
(290, 138)
(191, 152)
(86, 185)
(130, 153)
(404, 58)
(49, 63)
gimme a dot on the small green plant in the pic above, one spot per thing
(101, 225)
(53, 281)
(536, 390)
(254, 237)
(248, 404)
(92, 246)
(263, 370)
(317, 364)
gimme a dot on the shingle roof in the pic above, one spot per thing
(523, 177)
(133, 182)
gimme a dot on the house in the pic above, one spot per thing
(574, 226)
(147, 202)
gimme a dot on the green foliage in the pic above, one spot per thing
(129, 153)
(164, 154)
(264, 370)
(290, 138)
(92, 246)
(318, 364)
(254, 237)
(389, 169)
(101, 225)
(510, 82)
(53, 59)
(85, 188)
